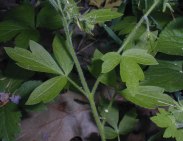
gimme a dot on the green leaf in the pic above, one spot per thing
(27, 87)
(10, 122)
(170, 132)
(110, 133)
(126, 25)
(179, 135)
(171, 38)
(106, 78)
(8, 84)
(166, 120)
(100, 16)
(178, 114)
(111, 60)
(22, 40)
(38, 60)
(22, 14)
(97, 55)
(140, 56)
(130, 72)
(168, 75)
(148, 97)
(96, 67)
(19, 21)
(47, 91)
(46, 13)
(122, 25)
(112, 117)
(62, 54)
(9, 29)
(162, 119)
(112, 34)
(155, 137)
(128, 123)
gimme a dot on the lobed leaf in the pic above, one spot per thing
(140, 56)
(130, 72)
(171, 38)
(46, 13)
(9, 29)
(148, 97)
(111, 60)
(23, 38)
(38, 60)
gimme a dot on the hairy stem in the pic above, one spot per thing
(86, 90)
(132, 34)
(71, 49)
(76, 85)
(96, 117)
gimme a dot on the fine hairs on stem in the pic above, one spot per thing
(58, 4)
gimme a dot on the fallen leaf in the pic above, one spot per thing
(64, 120)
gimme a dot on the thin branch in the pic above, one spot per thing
(132, 34)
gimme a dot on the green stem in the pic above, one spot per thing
(72, 51)
(132, 34)
(86, 91)
(119, 138)
(96, 117)
(95, 85)
(76, 85)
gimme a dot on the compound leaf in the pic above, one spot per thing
(38, 60)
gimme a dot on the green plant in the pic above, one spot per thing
(137, 51)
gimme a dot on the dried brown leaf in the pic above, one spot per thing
(65, 119)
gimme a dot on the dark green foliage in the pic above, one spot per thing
(134, 71)
(10, 122)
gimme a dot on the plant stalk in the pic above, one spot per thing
(132, 34)
(76, 85)
(86, 91)
(96, 117)
(72, 51)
